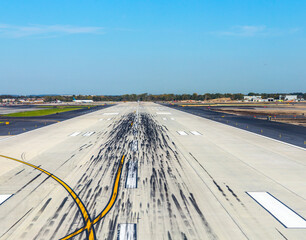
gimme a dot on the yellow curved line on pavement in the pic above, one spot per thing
(114, 196)
(106, 209)
(71, 192)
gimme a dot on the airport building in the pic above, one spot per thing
(252, 98)
(291, 98)
(8, 100)
(268, 100)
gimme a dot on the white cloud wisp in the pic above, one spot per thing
(244, 31)
(15, 31)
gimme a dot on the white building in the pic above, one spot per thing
(252, 98)
(291, 98)
(7, 100)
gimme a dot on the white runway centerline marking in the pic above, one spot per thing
(4, 197)
(131, 178)
(278, 210)
(87, 134)
(182, 133)
(165, 119)
(135, 145)
(196, 133)
(127, 231)
(74, 134)
(163, 113)
(172, 118)
(111, 113)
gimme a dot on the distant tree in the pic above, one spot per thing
(160, 97)
(237, 96)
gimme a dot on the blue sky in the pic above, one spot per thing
(118, 47)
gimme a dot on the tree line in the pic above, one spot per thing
(153, 97)
(147, 97)
(168, 97)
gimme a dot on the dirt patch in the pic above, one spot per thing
(294, 116)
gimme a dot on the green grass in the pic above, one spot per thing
(43, 112)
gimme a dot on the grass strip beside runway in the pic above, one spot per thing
(43, 112)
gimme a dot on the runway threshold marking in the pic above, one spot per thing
(182, 133)
(282, 213)
(108, 207)
(86, 217)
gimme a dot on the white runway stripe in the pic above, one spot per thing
(182, 133)
(111, 113)
(277, 209)
(75, 134)
(165, 119)
(135, 145)
(195, 133)
(127, 231)
(131, 179)
(163, 113)
(172, 118)
(4, 197)
(87, 134)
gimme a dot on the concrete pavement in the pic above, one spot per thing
(189, 186)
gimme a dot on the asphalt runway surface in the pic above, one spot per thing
(19, 125)
(288, 133)
(146, 171)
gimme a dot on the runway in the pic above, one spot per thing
(283, 132)
(147, 171)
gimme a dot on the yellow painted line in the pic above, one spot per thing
(105, 210)
(88, 223)
(76, 199)
(114, 195)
